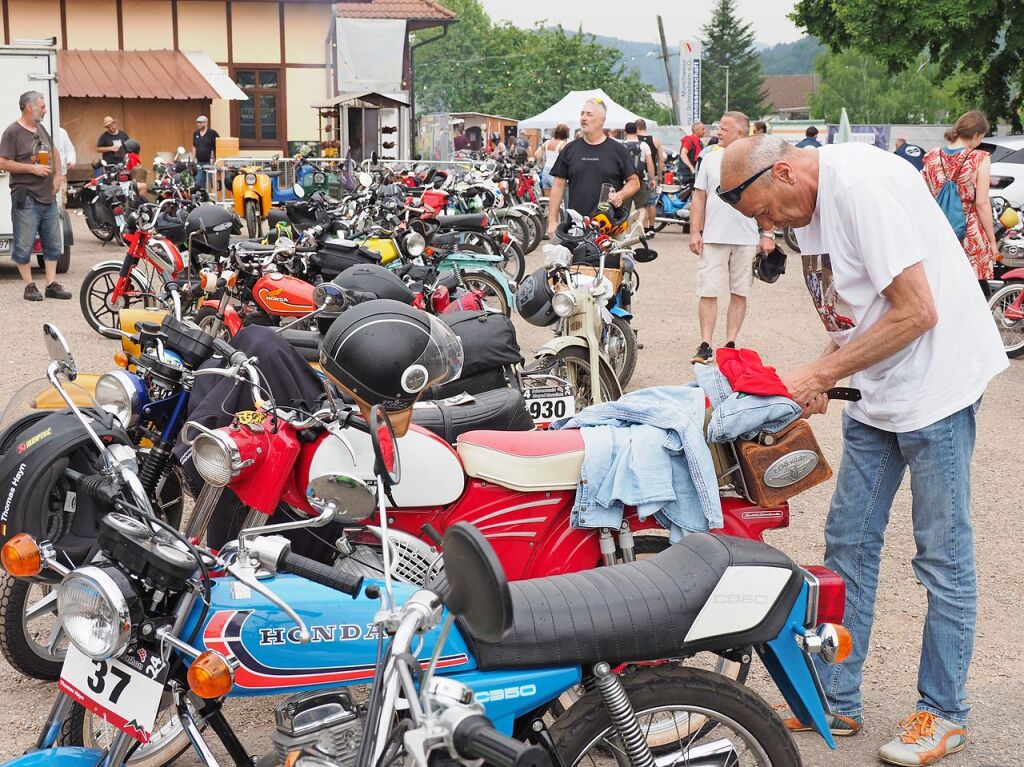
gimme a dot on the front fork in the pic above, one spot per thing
(62, 707)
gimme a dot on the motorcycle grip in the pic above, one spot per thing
(320, 573)
(475, 738)
(228, 352)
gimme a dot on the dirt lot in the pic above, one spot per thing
(783, 326)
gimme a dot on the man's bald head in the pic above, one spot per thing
(744, 158)
(786, 191)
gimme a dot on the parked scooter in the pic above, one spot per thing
(255, 190)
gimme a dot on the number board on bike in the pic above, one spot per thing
(125, 691)
(549, 404)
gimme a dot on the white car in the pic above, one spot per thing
(1007, 167)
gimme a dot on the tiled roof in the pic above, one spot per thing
(130, 75)
(789, 91)
(413, 10)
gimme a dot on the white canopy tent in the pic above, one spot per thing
(567, 111)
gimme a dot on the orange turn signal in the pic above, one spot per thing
(836, 642)
(121, 360)
(210, 675)
(292, 758)
(21, 556)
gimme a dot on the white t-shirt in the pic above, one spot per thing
(723, 224)
(874, 218)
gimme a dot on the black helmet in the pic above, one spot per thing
(768, 267)
(131, 146)
(380, 282)
(208, 229)
(386, 353)
(533, 299)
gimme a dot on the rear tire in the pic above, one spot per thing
(515, 261)
(702, 694)
(1010, 332)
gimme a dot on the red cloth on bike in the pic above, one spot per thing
(747, 374)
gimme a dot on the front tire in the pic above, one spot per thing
(574, 364)
(1011, 332)
(620, 345)
(688, 700)
(32, 655)
(252, 218)
(83, 728)
(95, 296)
(493, 293)
(514, 266)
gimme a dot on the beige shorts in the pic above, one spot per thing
(725, 268)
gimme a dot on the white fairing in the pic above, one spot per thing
(742, 599)
(431, 472)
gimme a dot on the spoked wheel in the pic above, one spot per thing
(169, 741)
(514, 266)
(493, 296)
(31, 636)
(618, 341)
(1007, 307)
(574, 366)
(746, 731)
(96, 297)
(206, 319)
(789, 237)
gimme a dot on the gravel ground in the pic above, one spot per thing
(783, 326)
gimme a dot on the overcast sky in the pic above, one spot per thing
(637, 19)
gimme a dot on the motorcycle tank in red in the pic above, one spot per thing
(283, 295)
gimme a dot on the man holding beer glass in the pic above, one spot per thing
(28, 153)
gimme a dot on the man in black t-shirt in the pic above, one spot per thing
(204, 142)
(110, 144)
(587, 163)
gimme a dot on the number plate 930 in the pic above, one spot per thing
(126, 697)
(549, 405)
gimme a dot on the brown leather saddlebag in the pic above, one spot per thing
(775, 467)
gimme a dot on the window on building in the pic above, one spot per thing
(258, 120)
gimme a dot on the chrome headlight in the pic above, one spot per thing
(216, 458)
(250, 178)
(415, 244)
(563, 303)
(121, 394)
(97, 607)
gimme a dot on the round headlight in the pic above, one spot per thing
(121, 394)
(250, 178)
(563, 303)
(319, 177)
(216, 458)
(96, 608)
(415, 244)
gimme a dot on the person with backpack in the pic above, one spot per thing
(640, 152)
(958, 177)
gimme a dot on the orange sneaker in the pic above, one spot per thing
(925, 739)
(840, 726)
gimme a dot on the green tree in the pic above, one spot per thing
(505, 70)
(984, 37)
(871, 94)
(796, 58)
(728, 42)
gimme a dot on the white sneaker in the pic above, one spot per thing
(925, 739)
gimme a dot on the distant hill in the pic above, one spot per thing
(794, 58)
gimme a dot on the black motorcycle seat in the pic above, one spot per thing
(502, 409)
(463, 221)
(277, 216)
(644, 610)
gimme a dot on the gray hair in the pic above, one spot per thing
(741, 120)
(599, 104)
(29, 97)
(762, 150)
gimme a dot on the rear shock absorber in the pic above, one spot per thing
(607, 544)
(626, 544)
(620, 711)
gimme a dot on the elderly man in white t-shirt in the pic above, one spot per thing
(899, 301)
(724, 240)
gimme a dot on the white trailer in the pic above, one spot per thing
(29, 65)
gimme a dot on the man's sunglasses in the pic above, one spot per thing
(732, 196)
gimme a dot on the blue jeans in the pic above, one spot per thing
(32, 218)
(873, 465)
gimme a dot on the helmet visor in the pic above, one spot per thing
(439, 362)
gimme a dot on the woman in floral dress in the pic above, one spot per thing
(961, 161)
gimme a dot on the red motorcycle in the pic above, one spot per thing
(138, 279)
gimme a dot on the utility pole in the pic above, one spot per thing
(726, 89)
(668, 73)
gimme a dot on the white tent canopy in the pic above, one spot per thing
(568, 111)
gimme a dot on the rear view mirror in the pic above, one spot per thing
(181, 150)
(644, 255)
(365, 180)
(478, 591)
(329, 298)
(58, 349)
(299, 191)
(350, 496)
